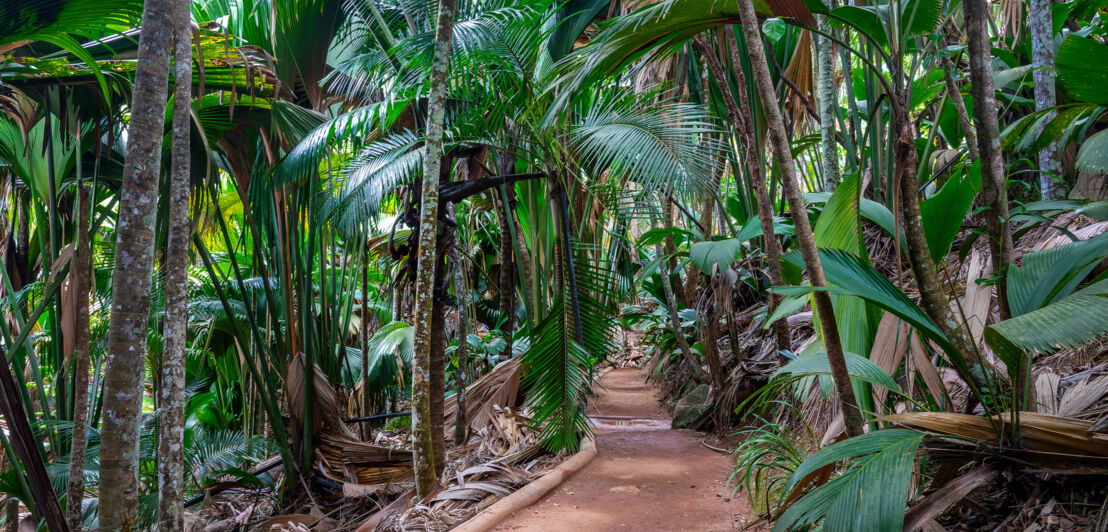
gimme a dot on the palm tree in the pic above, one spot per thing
(422, 421)
(126, 348)
(848, 403)
(171, 429)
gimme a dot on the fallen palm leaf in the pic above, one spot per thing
(1037, 432)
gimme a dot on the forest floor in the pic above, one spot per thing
(647, 476)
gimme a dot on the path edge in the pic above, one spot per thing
(492, 516)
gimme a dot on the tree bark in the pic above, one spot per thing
(126, 345)
(960, 110)
(460, 424)
(81, 268)
(1051, 185)
(507, 260)
(82, 265)
(828, 107)
(367, 430)
(171, 406)
(993, 191)
(422, 446)
(932, 296)
(741, 120)
(778, 138)
(675, 320)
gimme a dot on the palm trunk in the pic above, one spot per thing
(438, 358)
(171, 433)
(366, 429)
(675, 320)
(742, 120)
(23, 239)
(778, 138)
(993, 192)
(81, 266)
(126, 345)
(932, 296)
(828, 107)
(463, 335)
(1042, 61)
(422, 430)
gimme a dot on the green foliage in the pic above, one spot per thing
(869, 495)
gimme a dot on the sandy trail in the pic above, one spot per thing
(647, 477)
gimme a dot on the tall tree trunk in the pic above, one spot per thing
(932, 296)
(81, 268)
(366, 429)
(422, 431)
(460, 424)
(1042, 61)
(23, 239)
(828, 107)
(437, 365)
(507, 261)
(742, 120)
(171, 426)
(674, 319)
(778, 138)
(126, 346)
(993, 192)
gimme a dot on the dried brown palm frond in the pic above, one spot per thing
(498, 388)
(1038, 432)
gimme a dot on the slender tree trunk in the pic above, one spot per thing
(422, 430)
(438, 357)
(171, 428)
(126, 346)
(1042, 61)
(828, 108)
(460, 425)
(960, 110)
(507, 262)
(675, 320)
(932, 296)
(993, 191)
(23, 239)
(81, 266)
(741, 120)
(366, 429)
(778, 138)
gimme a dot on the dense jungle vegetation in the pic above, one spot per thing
(321, 252)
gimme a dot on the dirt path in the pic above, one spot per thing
(647, 477)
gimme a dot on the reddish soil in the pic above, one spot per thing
(647, 477)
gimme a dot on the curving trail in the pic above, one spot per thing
(647, 477)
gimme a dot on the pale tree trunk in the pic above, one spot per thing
(463, 334)
(423, 450)
(993, 192)
(81, 265)
(828, 108)
(1042, 61)
(848, 404)
(171, 404)
(741, 120)
(134, 260)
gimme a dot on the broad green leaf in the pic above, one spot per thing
(1074, 63)
(1051, 274)
(858, 366)
(1070, 322)
(944, 213)
(871, 495)
(708, 255)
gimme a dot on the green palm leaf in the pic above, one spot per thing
(871, 495)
